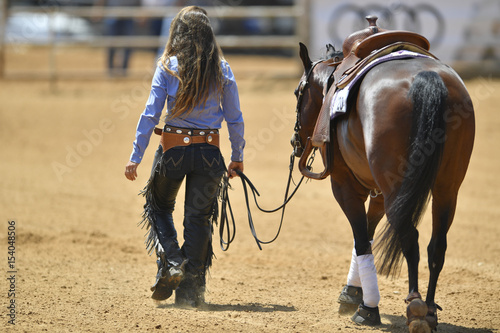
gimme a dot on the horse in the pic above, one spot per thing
(407, 136)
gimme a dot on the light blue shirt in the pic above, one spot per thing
(217, 108)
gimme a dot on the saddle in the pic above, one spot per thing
(359, 49)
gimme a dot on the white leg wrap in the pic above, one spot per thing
(368, 277)
(353, 276)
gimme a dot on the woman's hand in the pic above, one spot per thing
(131, 170)
(232, 167)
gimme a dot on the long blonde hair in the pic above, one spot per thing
(199, 57)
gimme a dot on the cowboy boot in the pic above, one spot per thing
(191, 291)
(168, 279)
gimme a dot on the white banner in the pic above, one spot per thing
(459, 31)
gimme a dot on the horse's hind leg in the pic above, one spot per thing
(411, 252)
(444, 203)
(443, 211)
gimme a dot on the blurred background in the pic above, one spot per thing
(41, 38)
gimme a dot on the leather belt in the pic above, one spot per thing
(174, 137)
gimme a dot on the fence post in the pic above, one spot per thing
(51, 14)
(3, 30)
(304, 21)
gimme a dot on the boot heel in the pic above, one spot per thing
(167, 281)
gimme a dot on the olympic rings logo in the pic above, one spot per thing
(349, 18)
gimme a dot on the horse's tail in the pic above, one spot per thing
(428, 94)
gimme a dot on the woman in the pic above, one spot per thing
(198, 86)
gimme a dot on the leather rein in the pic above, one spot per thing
(226, 213)
(225, 223)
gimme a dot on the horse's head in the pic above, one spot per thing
(310, 92)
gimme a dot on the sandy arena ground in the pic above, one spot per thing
(80, 257)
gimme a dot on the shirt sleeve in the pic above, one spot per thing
(232, 115)
(150, 117)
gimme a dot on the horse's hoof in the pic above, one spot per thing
(350, 298)
(419, 326)
(412, 296)
(346, 309)
(416, 309)
(416, 313)
(431, 316)
(367, 316)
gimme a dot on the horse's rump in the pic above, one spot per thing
(404, 210)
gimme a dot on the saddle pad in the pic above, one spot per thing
(339, 103)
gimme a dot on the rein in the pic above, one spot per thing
(226, 207)
(225, 223)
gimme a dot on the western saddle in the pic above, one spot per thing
(359, 49)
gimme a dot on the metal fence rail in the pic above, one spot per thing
(299, 12)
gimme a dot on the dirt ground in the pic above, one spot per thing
(80, 260)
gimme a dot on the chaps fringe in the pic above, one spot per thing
(151, 206)
(148, 217)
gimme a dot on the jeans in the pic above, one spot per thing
(202, 167)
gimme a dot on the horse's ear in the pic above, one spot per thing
(330, 47)
(304, 55)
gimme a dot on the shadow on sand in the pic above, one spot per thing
(250, 307)
(398, 325)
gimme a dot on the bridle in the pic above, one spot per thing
(296, 143)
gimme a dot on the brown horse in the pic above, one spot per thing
(408, 134)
